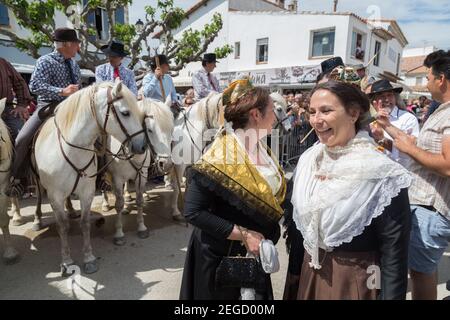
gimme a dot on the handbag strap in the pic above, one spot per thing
(244, 240)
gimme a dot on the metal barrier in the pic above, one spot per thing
(290, 147)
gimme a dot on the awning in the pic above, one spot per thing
(182, 81)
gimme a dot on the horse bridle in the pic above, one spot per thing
(208, 123)
(279, 122)
(110, 108)
(154, 155)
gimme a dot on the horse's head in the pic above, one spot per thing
(122, 118)
(159, 124)
(280, 109)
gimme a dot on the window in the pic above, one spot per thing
(4, 17)
(358, 45)
(120, 16)
(237, 50)
(376, 61)
(323, 43)
(392, 55)
(262, 50)
(98, 19)
(398, 63)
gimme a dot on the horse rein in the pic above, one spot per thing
(111, 108)
(208, 123)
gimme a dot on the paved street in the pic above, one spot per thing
(141, 269)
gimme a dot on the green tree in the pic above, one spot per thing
(38, 16)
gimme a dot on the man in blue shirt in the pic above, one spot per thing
(55, 77)
(114, 69)
(152, 85)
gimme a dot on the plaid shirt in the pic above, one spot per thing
(51, 75)
(11, 80)
(428, 187)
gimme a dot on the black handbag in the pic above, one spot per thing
(240, 272)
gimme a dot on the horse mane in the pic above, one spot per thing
(6, 145)
(210, 103)
(76, 108)
(162, 113)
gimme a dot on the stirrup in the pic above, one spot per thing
(15, 188)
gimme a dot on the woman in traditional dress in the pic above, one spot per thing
(234, 194)
(350, 202)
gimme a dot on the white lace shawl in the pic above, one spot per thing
(338, 191)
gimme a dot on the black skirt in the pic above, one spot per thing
(199, 272)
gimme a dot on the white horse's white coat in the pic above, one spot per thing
(190, 139)
(159, 124)
(10, 255)
(80, 127)
(189, 133)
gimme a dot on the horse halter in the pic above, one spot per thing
(111, 108)
(279, 122)
(153, 154)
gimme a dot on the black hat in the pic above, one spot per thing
(383, 86)
(210, 58)
(162, 60)
(329, 64)
(114, 49)
(65, 35)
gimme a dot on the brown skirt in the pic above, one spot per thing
(343, 276)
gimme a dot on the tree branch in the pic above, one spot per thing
(31, 49)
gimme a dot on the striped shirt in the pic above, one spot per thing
(204, 83)
(430, 188)
(11, 80)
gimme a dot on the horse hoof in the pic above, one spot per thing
(74, 215)
(119, 241)
(68, 270)
(18, 221)
(37, 227)
(100, 222)
(90, 267)
(143, 234)
(127, 198)
(105, 208)
(11, 256)
(125, 211)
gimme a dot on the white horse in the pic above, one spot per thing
(198, 125)
(158, 123)
(10, 254)
(65, 159)
(193, 128)
(280, 109)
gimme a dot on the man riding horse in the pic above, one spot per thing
(55, 77)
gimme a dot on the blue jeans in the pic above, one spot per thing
(430, 236)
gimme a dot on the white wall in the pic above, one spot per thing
(197, 21)
(414, 52)
(290, 39)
